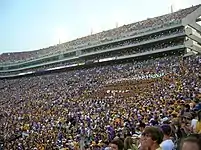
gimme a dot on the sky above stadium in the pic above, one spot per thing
(34, 24)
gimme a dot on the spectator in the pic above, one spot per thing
(194, 121)
(167, 143)
(190, 143)
(129, 144)
(198, 124)
(116, 144)
(153, 138)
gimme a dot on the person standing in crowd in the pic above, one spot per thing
(116, 144)
(141, 128)
(153, 137)
(198, 124)
(129, 144)
(142, 145)
(190, 143)
(194, 121)
(167, 143)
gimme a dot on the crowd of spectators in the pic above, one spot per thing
(39, 69)
(138, 40)
(105, 36)
(171, 43)
(96, 108)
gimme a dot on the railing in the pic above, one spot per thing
(134, 34)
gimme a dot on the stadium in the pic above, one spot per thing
(84, 93)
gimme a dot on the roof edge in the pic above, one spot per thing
(190, 19)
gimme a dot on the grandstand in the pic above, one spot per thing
(91, 90)
(176, 31)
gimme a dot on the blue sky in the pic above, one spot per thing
(34, 24)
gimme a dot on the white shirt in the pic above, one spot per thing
(167, 145)
(193, 123)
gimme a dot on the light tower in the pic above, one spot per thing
(172, 9)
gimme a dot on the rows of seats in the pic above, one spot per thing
(113, 54)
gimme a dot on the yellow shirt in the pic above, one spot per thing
(198, 127)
